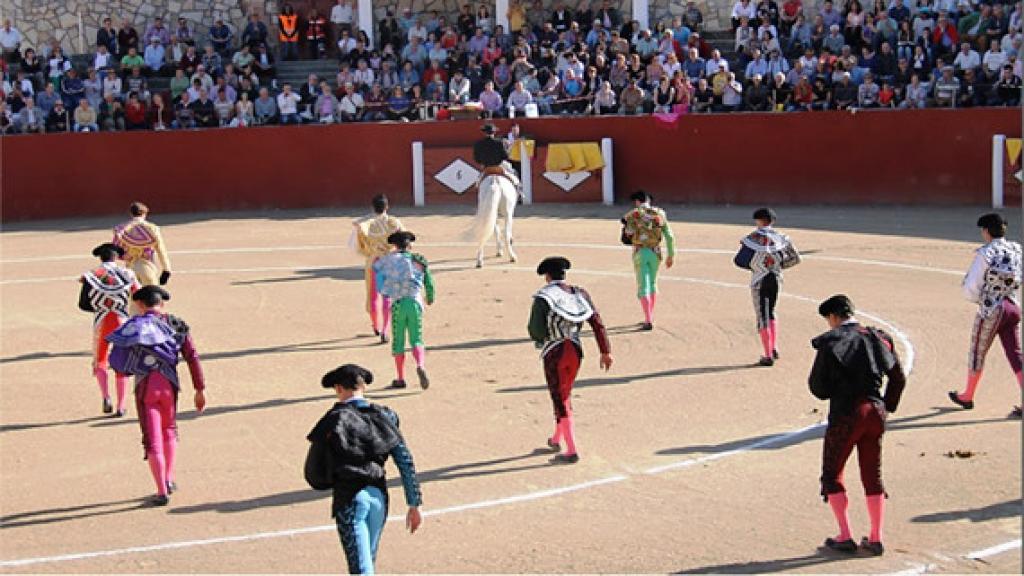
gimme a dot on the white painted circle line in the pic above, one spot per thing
(994, 550)
(530, 496)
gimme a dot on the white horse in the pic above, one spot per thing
(497, 197)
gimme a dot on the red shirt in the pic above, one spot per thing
(136, 114)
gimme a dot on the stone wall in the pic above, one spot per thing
(42, 20)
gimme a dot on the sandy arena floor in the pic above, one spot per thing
(692, 459)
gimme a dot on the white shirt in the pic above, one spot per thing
(9, 39)
(994, 60)
(967, 61)
(101, 61)
(288, 103)
(750, 11)
(711, 66)
(341, 14)
(418, 31)
(346, 45)
(351, 104)
(363, 76)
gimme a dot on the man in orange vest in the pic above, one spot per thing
(288, 35)
(316, 34)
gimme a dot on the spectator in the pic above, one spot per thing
(190, 62)
(73, 89)
(106, 37)
(551, 88)
(744, 36)
(154, 56)
(135, 113)
(947, 88)
(184, 113)
(185, 33)
(159, 31)
(8, 122)
(944, 36)
(223, 107)
(692, 17)
(346, 44)
(966, 59)
(972, 92)
(212, 61)
(915, 94)
(93, 89)
(243, 58)
(491, 100)
(351, 106)
(316, 35)
(886, 64)
(287, 105)
(204, 111)
(137, 83)
(993, 61)
(399, 105)
(732, 94)
(341, 18)
(887, 96)
(204, 78)
(780, 93)
(376, 104)
(664, 95)
(160, 114)
(112, 85)
(1007, 90)
(802, 99)
(255, 33)
(178, 84)
(131, 60)
(221, 37)
(56, 67)
(127, 37)
(520, 97)
(632, 99)
(844, 93)
(58, 120)
(834, 41)
(758, 66)
(714, 64)
(288, 32)
(742, 9)
(326, 105)
(755, 97)
(102, 61)
(47, 98)
(867, 93)
(31, 119)
(263, 64)
(265, 108)
(85, 117)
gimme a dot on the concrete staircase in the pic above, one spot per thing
(297, 71)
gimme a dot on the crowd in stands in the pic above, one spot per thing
(583, 60)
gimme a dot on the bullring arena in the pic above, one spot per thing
(693, 459)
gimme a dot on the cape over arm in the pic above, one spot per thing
(538, 324)
(974, 281)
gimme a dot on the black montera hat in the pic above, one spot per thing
(347, 376)
(991, 220)
(765, 214)
(107, 248)
(151, 295)
(553, 265)
(641, 196)
(488, 128)
(401, 237)
(839, 305)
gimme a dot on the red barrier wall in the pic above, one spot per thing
(881, 157)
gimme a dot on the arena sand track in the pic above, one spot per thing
(276, 300)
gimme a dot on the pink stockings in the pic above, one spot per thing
(876, 512)
(768, 338)
(565, 430)
(973, 378)
(418, 354)
(120, 383)
(647, 305)
(160, 435)
(380, 306)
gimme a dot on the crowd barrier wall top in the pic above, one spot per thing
(919, 157)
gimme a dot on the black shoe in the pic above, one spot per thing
(647, 326)
(172, 488)
(554, 445)
(383, 338)
(775, 354)
(847, 546)
(568, 459)
(766, 361)
(399, 384)
(107, 406)
(1015, 413)
(118, 414)
(376, 332)
(873, 548)
(159, 500)
(965, 404)
(424, 381)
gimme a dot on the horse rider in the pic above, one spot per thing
(491, 154)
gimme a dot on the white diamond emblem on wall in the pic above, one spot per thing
(567, 180)
(459, 176)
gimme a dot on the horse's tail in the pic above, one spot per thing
(487, 211)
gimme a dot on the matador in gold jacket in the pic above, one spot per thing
(371, 240)
(144, 250)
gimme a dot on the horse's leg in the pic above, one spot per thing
(510, 208)
(497, 239)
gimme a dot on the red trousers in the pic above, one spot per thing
(862, 428)
(561, 364)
